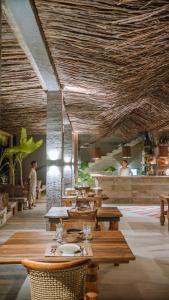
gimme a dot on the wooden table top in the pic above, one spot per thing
(107, 247)
(61, 212)
(83, 198)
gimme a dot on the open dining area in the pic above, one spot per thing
(84, 150)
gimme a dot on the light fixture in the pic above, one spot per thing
(53, 154)
(67, 159)
(126, 151)
(53, 171)
(163, 151)
(96, 153)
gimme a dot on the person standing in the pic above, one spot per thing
(125, 170)
(32, 184)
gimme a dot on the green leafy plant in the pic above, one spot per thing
(18, 153)
(84, 177)
(110, 169)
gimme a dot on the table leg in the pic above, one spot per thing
(114, 225)
(20, 206)
(168, 213)
(92, 281)
(52, 226)
(162, 216)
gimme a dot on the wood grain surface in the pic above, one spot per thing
(108, 247)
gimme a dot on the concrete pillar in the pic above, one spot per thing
(75, 154)
(68, 157)
(54, 148)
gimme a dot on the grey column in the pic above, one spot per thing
(75, 154)
(54, 149)
(68, 164)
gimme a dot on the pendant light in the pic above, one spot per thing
(163, 151)
(126, 151)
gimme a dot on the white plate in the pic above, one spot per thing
(69, 248)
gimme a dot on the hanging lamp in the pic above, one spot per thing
(126, 151)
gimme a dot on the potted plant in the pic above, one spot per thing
(84, 177)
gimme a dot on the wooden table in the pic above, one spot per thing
(107, 247)
(104, 214)
(164, 199)
(85, 199)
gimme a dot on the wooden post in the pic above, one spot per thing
(162, 213)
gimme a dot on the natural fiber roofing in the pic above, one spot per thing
(23, 102)
(112, 58)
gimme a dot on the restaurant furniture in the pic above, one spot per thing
(97, 190)
(21, 201)
(59, 281)
(78, 224)
(82, 200)
(164, 199)
(82, 215)
(7, 208)
(67, 200)
(133, 189)
(104, 214)
(70, 192)
(83, 189)
(107, 247)
(40, 189)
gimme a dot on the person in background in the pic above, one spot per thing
(125, 170)
(32, 184)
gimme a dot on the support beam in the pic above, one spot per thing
(23, 21)
(68, 159)
(54, 149)
(75, 154)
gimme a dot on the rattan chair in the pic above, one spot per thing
(82, 215)
(57, 281)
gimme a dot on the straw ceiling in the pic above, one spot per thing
(112, 58)
(23, 102)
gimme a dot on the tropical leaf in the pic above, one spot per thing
(23, 138)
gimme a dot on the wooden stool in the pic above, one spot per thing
(164, 199)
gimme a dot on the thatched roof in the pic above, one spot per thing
(112, 58)
(23, 102)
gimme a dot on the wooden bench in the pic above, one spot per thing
(22, 202)
(13, 206)
(164, 199)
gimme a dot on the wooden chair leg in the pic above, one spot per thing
(162, 213)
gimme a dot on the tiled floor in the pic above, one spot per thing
(147, 278)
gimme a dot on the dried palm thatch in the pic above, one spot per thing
(23, 102)
(112, 58)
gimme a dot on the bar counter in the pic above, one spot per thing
(133, 189)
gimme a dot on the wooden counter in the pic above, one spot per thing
(133, 189)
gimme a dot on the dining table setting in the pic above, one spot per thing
(70, 240)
